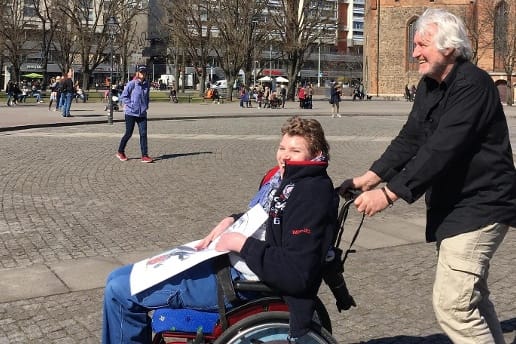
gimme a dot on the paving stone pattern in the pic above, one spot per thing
(65, 198)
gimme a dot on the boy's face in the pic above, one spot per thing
(292, 148)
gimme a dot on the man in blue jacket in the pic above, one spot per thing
(455, 148)
(135, 99)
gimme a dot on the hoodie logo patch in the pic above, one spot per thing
(301, 231)
(279, 202)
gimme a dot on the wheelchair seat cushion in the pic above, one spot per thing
(183, 320)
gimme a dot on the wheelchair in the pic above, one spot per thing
(260, 320)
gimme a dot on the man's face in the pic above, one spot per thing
(432, 62)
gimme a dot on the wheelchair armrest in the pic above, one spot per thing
(255, 286)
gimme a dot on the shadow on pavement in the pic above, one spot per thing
(177, 155)
(432, 339)
(508, 326)
(89, 115)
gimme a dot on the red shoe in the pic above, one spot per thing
(146, 158)
(121, 156)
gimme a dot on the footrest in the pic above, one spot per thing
(183, 320)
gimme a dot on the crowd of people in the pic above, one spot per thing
(62, 92)
(263, 95)
(19, 92)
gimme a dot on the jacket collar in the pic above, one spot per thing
(298, 169)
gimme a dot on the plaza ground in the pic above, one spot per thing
(71, 212)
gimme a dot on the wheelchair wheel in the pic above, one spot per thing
(272, 328)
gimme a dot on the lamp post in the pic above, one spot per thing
(254, 73)
(270, 63)
(111, 26)
(319, 66)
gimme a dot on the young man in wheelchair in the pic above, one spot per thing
(287, 253)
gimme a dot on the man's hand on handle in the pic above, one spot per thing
(370, 201)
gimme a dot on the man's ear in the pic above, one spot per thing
(448, 52)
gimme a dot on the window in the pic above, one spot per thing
(412, 64)
(29, 10)
(500, 35)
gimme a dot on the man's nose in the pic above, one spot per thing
(415, 52)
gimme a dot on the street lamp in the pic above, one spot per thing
(112, 25)
(254, 73)
(270, 63)
(319, 66)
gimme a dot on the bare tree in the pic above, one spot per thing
(130, 14)
(296, 26)
(191, 27)
(497, 32)
(47, 14)
(85, 18)
(13, 33)
(63, 44)
(239, 33)
(505, 41)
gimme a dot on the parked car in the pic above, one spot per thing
(220, 84)
(223, 84)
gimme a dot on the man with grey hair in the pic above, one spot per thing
(455, 149)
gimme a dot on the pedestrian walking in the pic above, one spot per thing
(454, 148)
(283, 95)
(135, 99)
(67, 93)
(53, 91)
(335, 100)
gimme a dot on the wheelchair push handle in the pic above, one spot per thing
(347, 190)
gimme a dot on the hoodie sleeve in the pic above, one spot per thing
(126, 93)
(291, 262)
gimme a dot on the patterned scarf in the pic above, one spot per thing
(266, 193)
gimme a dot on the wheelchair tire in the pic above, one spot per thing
(272, 328)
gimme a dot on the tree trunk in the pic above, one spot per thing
(86, 80)
(510, 90)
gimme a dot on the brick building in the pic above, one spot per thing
(388, 41)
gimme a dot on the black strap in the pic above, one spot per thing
(355, 236)
(343, 214)
(225, 290)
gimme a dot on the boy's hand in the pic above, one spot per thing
(215, 232)
(230, 242)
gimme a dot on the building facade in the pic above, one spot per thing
(388, 41)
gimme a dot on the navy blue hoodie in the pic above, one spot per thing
(300, 228)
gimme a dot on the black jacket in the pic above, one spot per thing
(455, 147)
(300, 229)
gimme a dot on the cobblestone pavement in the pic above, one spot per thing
(70, 209)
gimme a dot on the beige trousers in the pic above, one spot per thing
(461, 295)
